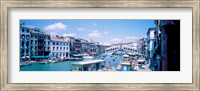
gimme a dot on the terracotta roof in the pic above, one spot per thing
(58, 39)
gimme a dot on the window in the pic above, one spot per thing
(26, 50)
(27, 31)
(27, 44)
(36, 42)
(48, 48)
(57, 48)
(60, 48)
(22, 50)
(63, 48)
(49, 37)
(53, 43)
(22, 43)
(67, 48)
(57, 43)
(22, 30)
(27, 36)
(23, 36)
(53, 48)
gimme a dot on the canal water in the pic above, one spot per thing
(67, 65)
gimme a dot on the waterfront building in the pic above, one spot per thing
(101, 48)
(77, 46)
(85, 45)
(170, 44)
(24, 43)
(60, 47)
(71, 41)
(142, 46)
(93, 48)
(151, 45)
(40, 44)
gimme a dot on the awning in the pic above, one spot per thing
(140, 60)
(27, 57)
(40, 57)
(22, 58)
(75, 55)
(126, 63)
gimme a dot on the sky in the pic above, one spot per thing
(103, 31)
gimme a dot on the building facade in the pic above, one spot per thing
(166, 54)
(170, 45)
(142, 46)
(151, 46)
(71, 41)
(24, 43)
(40, 44)
(60, 48)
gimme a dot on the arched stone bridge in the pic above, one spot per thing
(129, 47)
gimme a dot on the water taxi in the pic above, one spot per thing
(87, 56)
(90, 65)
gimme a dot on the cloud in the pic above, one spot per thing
(53, 34)
(106, 32)
(115, 40)
(56, 26)
(81, 29)
(95, 33)
(106, 44)
(132, 37)
(70, 34)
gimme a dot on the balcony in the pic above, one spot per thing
(41, 39)
(40, 50)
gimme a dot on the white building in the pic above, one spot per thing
(151, 43)
(59, 47)
(151, 40)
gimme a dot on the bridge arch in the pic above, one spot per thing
(121, 47)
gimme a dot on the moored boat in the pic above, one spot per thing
(87, 56)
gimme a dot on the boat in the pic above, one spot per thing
(25, 63)
(126, 56)
(43, 62)
(53, 61)
(87, 56)
(114, 58)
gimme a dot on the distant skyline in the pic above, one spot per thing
(103, 31)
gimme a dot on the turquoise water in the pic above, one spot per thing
(67, 65)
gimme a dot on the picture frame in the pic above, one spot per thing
(4, 57)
